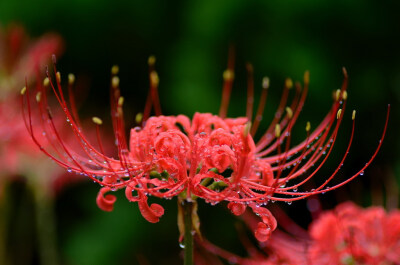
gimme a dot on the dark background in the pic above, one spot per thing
(190, 40)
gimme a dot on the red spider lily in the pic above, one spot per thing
(20, 57)
(352, 235)
(210, 156)
(347, 234)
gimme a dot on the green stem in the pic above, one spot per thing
(46, 231)
(3, 222)
(188, 237)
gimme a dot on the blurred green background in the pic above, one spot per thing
(190, 40)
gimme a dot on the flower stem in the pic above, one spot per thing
(188, 237)
(45, 224)
(3, 222)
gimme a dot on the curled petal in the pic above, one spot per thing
(220, 137)
(268, 224)
(106, 203)
(237, 208)
(128, 193)
(263, 232)
(221, 157)
(184, 121)
(151, 213)
(171, 143)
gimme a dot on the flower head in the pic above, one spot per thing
(20, 57)
(345, 235)
(210, 157)
(352, 235)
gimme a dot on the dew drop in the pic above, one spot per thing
(181, 245)
(361, 173)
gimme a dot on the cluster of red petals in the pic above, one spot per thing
(210, 157)
(20, 57)
(352, 235)
(345, 235)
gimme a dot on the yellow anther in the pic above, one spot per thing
(288, 83)
(308, 126)
(289, 112)
(97, 120)
(58, 77)
(151, 60)
(339, 113)
(344, 95)
(246, 129)
(139, 117)
(337, 94)
(265, 83)
(46, 82)
(114, 69)
(154, 79)
(71, 79)
(38, 96)
(115, 81)
(228, 75)
(306, 77)
(121, 101)
(23, 90)
(353, 115)
(277, 130)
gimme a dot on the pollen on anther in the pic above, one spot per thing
(288, 83)
(154, 79)
(265, 83)
(246, 129)
(151, 60)
(139, 117)
(289, 112)
(120, 101)
(339, 113)
(277, 130)
(115, 69)
(23, 90)
(58, 77)
(344, 95)
(46, 82)
(308, 126)
(71, 79)
(38, 96)
(228, 75)
(337, 94)
(115, 82)
(353, 115)
(97, 120)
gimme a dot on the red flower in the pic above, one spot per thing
(211, 157)
(21, 57)
(347, 234)
(352, 235)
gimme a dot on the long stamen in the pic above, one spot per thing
(261, 105)
(228, 82)
(250, 91)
